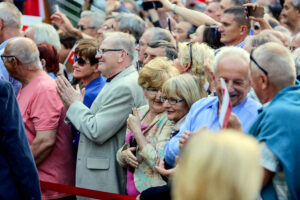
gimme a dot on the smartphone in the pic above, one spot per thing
(151, 5)
(258, 12)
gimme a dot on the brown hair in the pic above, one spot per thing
(87, 48)
(49, 53)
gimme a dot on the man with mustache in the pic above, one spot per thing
(231, 64)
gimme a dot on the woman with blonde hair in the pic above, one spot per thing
(178, 95)
(196, 59)
(218, 166)
(148, 129)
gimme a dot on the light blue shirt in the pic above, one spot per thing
(4, 75)
(205, 113)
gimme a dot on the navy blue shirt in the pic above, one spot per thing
(92, 90)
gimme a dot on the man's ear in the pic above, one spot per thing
(243, 29)
(264, 81)
(187, 67)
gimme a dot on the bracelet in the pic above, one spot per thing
(173, 7)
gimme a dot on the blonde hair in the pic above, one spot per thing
(156, 72)
(219, 166)
(201, 54)
(184, 86)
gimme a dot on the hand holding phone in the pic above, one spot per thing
(257, 12)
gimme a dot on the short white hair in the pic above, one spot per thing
(45, 33)
(233, 51)
(96, 19)
(123, 41)
(26, 51)
(10, 15)
(277, 60)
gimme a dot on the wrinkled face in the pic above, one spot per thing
(84, 70)
(107, 26)
(84, 25)
(151, 53)
(181, 31)
(143, 44)
(289, 15)
(235, 72)
(212, 10)
(153, 96)
(198, 35)
(175, 111)
(230, 30)
(108, 60)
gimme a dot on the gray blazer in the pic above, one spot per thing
(102, 129)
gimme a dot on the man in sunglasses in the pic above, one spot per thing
(43, 114)
(277, 125)
(103, 126)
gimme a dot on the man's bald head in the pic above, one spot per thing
(277, 60)
(25, 50)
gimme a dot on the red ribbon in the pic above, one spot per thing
(83, 192)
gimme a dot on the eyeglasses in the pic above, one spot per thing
(191, 52)
(171, 100)
(253, 60)
(102, 51)
(81, 62)
(106, 27)
(83, 27)
(3, 57)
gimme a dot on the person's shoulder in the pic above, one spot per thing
(205, 101)
(5, 88)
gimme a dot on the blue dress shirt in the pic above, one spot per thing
(205, 113)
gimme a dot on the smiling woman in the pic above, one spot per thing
(148, 130)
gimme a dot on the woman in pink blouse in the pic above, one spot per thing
(148, 130)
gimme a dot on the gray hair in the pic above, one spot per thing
(282, 29)
(160, 34)
(132, 23)
(123, 41)
(230, 51)
(262, 38)
(278, 62)
(296, 56)
(295, 4)
(45, 33)
(10, 15)
(96, 19)
(26, 51)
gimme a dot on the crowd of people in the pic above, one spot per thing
(129, 102)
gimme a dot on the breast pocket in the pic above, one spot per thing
(97, 163)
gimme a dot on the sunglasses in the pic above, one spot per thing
(81, 62)
(191, 52)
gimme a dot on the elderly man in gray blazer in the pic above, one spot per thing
(103, 126)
